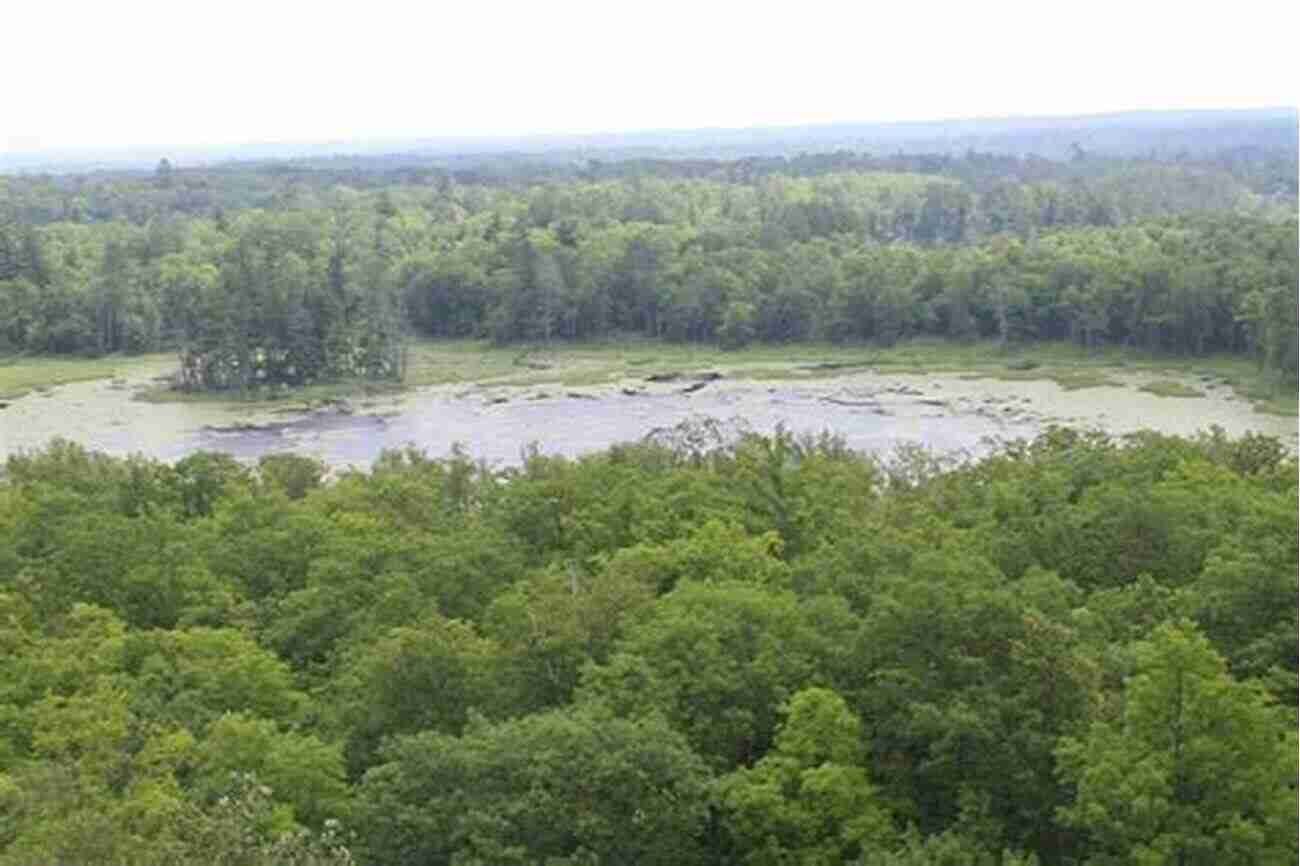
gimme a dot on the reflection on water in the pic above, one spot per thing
(871, 412)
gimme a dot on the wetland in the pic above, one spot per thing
(498, 403)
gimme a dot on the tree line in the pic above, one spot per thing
(324, 280)
(689, 650)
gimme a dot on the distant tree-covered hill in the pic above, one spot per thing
(1137, 133)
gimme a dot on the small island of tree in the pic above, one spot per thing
(289, 303)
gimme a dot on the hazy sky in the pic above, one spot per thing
(117, 73)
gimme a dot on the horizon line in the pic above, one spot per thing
(108, 153)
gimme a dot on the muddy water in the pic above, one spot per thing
(872, 412)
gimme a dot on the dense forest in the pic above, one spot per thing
(297, 271)
(689, 650)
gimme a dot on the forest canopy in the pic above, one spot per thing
(770, 650)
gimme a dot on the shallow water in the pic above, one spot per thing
(872, 412)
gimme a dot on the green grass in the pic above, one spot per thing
(1285, 406)
(21, 374)
(1075, 380)
(1169, 388)
(1273, 400)
(1068, 379)
(305, 395)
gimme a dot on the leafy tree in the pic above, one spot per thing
(246, 827)
(808, 800)
(292, 474)
(164, 174)
(967, 683)
(195, 676)
(302, 770)
(426, 676)
(564, 787)
(554, 622)
(711, 554)
(945, 849)
(718, 660)
(1197, 768)
(738, 325)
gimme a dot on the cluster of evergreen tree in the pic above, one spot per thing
(320, 279)
(685, 651)
(259, 297)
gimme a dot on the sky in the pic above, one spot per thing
(93, 74)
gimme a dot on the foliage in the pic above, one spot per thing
(1197, 770)
(568, 786)
(701, 648)
(807, 800)
(264, 276)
